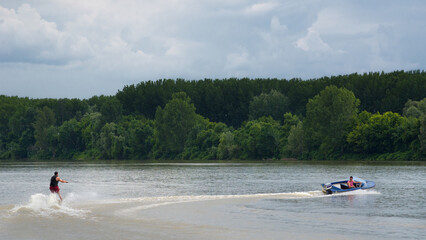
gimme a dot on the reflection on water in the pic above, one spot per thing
(210, 201)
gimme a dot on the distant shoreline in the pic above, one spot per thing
(214, 162)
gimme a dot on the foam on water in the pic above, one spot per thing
(47, 205)
(152, 202)
(289, 195)
(358, 192)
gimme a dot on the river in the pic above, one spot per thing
(210, 201)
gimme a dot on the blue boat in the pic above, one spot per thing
(342, 186)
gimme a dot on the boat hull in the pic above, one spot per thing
(341, 186)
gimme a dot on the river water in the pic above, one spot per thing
(210, 201)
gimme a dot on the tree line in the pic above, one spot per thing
(356, 116)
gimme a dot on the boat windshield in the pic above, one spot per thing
(357, 179)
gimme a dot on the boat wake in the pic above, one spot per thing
(50, 205)
(356, 192)
(289, 195)
(144, 203)
(153, 202)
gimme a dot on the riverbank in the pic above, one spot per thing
(206, 162)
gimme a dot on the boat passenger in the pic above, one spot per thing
(351, 182)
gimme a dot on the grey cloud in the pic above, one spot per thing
(27, 37)
(106, 44)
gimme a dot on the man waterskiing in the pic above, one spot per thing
(54, 184)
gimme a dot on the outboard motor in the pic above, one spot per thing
(326, 188)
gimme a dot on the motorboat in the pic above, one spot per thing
(342, 186)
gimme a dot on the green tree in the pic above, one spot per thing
(53, 140)
(90, 124)
(330, 116)
(111, 109)
(296, 145)
(228, 100)
(203, 141)
(379, 134)
(407, 133)
(21, 132)
(227, 148)
(173, 125)
(290, 120)
(422, 135)
(259, 139)
(45, 118)
(112, 142)
(273, 104)
(415, 108)
(140, 137)
(70, 140)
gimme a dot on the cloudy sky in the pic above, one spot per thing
(82, 48)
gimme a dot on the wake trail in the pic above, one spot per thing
(285, 195)
(152, 202)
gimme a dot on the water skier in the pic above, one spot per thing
(54, 184)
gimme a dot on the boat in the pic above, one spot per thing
(342, 186)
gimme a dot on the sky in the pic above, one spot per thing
(83, 48)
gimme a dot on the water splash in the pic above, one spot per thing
(357, 192)
(47, 205)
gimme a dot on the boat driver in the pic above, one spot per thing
(351, 183)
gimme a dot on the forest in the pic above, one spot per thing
(370, 116)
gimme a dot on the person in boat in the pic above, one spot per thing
(352, 184)
(54, 188)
